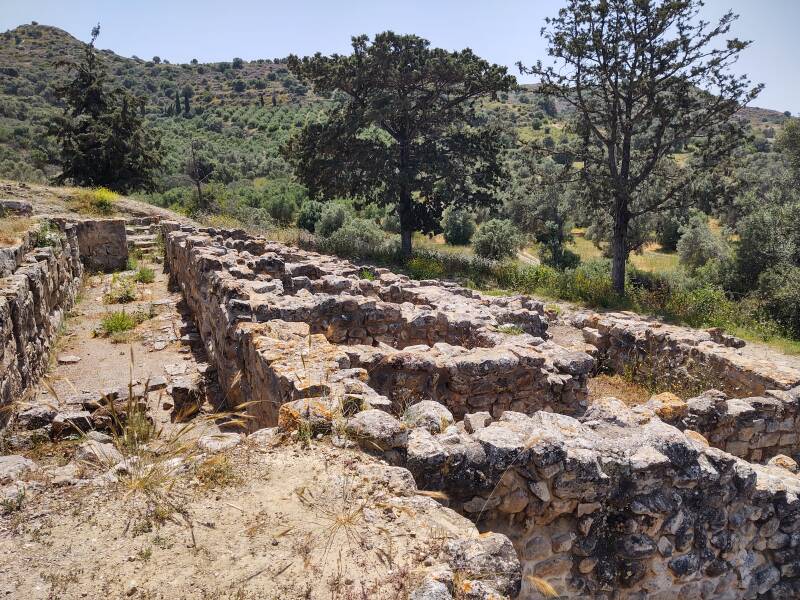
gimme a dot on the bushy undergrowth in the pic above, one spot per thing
(95, 201)
(145, 275)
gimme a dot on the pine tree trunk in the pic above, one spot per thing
(405, 243)
(619, 251)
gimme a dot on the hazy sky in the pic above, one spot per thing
(503, 31)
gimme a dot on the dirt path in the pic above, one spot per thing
(159, 351)
(528, 258)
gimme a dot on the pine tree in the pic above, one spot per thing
(102, 134)
(644, 77)
(407, 136)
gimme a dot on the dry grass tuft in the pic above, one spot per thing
(618, 387)
(542, 586)
(12, 228)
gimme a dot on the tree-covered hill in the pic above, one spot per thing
(240, 110)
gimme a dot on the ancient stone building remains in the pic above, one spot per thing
(407, 340)
(600, 500)
(39, 278)
(671, 499)
(38, 284)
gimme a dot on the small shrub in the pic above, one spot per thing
(117, 322)
(145, 275)
(331, 219)
(282, 209)
(779, 293)
(308, 215)
(497, 239)
(121, 291)
(458, 226)
(95, 201)
(424, 267)
(132, 263)
(510, 329)
(46, 235)
(216, 472)
(357, 238)
(590, 282)
(698, 244)
(367, 274)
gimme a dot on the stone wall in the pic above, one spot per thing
(445, 339)
(684, 359)
(37, 286)
(755, 428)
(619, 504)
(103, 244)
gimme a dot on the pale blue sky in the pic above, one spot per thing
(502, 31)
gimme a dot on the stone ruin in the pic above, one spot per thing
(674, 498)
(39, 278)
(600, 500)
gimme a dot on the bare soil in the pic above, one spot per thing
(285, 522)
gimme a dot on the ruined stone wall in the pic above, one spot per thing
(37, 286)
(619, 504)
(434, 347)
(756, 428)
(684, 359)
(616, 503)
(103, 244)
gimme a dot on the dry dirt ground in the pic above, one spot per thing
(275, 518)
(165, 344)
(49, 200)
(258, 522)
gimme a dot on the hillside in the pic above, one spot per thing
(242, 110)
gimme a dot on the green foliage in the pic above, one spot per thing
(497, 239)
(668, 232)
(425, 267)
(768, 236)
(117, 322)
(779, 292)
(698, 244)
(367, 274)
(510, 329)
(102, 136)
(282, 209)
(356, 238)
(458, 226)
(332, 218)
(308, 215)
(47, 234)
(122, 289)
(145, 275)
(99, 201)
(405, 134)
(685, 94)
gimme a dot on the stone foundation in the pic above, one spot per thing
(410, 340)
(684, 359)
(611, 502)
(619, 504)
(37, 287)
(756, 428)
